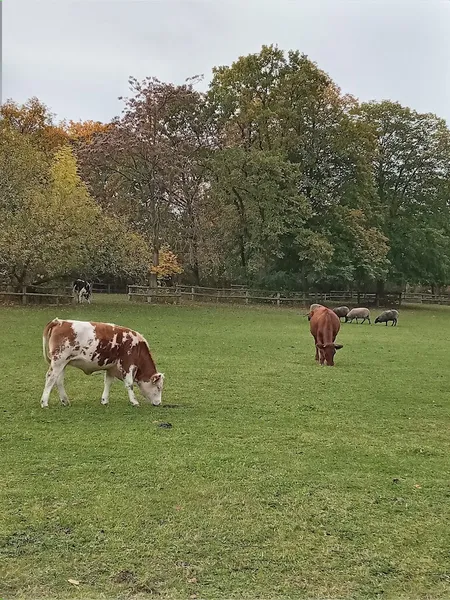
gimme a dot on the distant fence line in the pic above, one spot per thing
(60, 295)
(181, 293)
(51, 295)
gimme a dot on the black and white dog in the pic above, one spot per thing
(82, 290)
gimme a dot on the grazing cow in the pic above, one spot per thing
(82, 290)
(388, 315)
(325, 325)
(118, 351)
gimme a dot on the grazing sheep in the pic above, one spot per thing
(312, 308)
(358, 313)
(388, 315)
(341, 311)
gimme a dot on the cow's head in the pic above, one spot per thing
(152, 390)
(327, 352)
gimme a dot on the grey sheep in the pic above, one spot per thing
(358, 313)
(341, 311)
(388, 315)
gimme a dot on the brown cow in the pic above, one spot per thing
(324, 327)
(117, 351)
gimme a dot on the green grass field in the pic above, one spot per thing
(279, 478)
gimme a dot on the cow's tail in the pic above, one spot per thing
(46, 336)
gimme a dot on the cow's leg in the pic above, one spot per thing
(322, 358)
(108, 381)
(128, 381)
(51, 378)
(61, 390)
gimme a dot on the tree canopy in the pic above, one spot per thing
(272, 177)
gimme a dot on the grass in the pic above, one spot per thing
(279, 478)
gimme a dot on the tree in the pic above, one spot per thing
(84, 131)
(168, 265)
(258, 196)
(57, 230)
(145, 164)
(269, 104)
(412, 173)
(34, 119)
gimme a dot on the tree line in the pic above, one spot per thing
(272, 178)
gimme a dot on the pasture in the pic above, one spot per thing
(279, 478)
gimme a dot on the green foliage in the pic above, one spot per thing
(272, 174)
(412, 173)
(54, 228)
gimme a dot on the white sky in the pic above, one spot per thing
(76, 55)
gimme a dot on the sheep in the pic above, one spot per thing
(388, 315)
(312, 308)
(358, 313)
(341, 311)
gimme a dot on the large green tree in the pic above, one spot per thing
(270, 105)
(412, 174)
(51, 227)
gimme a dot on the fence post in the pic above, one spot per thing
(278, 298)
(109, 288)
(24, 294)
(246, 296)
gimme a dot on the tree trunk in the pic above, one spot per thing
(380, 290)
(195, 261)
(155, 263)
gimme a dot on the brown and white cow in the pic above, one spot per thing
(325, 325)
(118, 351)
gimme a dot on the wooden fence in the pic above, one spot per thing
(32, 297)
(179, 294)
(51, 294)
(234, 295)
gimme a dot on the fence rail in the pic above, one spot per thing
(181, 293)
(237, 294)
(27, 297)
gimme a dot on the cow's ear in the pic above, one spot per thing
(338, 346)
(156, 377)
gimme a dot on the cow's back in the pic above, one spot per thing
(324, 325)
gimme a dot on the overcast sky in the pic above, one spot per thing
(76, 55)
